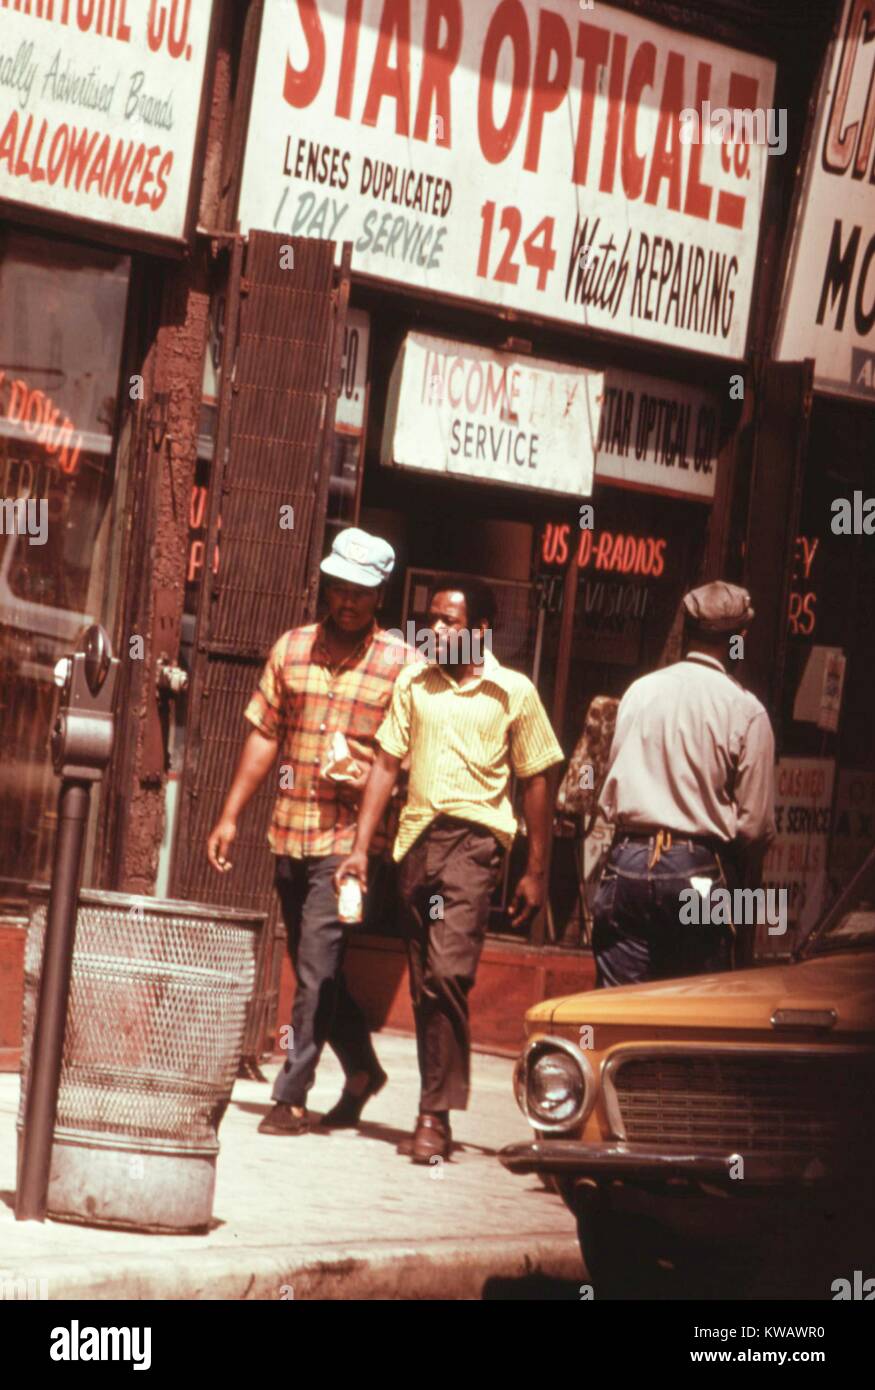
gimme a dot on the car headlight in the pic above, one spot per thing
(554, 1084)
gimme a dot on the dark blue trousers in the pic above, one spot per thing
(323, 1010)
(637, 932)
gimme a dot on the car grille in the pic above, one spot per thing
(764, 1104)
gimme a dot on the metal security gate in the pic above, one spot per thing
(281, 374)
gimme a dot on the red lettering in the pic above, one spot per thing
(838, 144)
(603, 550)
(301, 86)
(142, 195)
(386, 81)
(615, 108)
(8, 138)
(698, 198)
(176, 43)
(547, 92)
(554, 547)
(153, 36)
(437, 66)
(21, 166)
(742, 95)
(348, 55)
(508, 22)
(616, 560)
(137, 164)
(161, 180)
(584, 550)
(640, 76)
(592, 47)
(458, 365)
(195, 560)
(666, 150)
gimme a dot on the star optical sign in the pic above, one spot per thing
(100, 111)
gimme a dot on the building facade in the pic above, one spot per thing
(457, 275)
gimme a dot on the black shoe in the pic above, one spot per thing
(347, 1112)
(281, 1120)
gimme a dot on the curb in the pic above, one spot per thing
(532, 1267)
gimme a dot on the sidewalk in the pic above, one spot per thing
(336, 1215)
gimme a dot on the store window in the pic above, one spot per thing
(62, 315)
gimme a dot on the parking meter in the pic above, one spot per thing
(83, 734)
(81, 747)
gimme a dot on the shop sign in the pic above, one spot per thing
(476, 413)
(99, 107)
(797, 858)
(819, 696)
(519, 153)
(613, 552)
(854, 829)
(658, 436)
(828, 310)
(802, 606)
(350, 414)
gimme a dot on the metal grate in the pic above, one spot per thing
(764, 1104)
(279, 381)
(158, 1003)
(280, 374)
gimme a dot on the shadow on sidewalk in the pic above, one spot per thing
(386, 1134)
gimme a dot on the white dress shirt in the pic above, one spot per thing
(692, 752)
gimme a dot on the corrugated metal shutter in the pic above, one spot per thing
(276, 415)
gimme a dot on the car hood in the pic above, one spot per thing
(737, 999)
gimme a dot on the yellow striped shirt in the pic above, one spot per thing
(464, 741)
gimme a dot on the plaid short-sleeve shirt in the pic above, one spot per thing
(301, 701)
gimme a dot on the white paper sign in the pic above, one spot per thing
(658, 436)
(350, 414)
(828, 310)
(99, 108)
(526, 153)
(797, 858)
(475, 413)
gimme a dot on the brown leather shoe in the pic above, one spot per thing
(282, 1120)
(432, 1138)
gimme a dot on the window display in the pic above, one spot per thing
(62, 315)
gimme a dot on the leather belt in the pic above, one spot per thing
(665, 839)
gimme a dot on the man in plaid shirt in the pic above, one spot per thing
(328, 677)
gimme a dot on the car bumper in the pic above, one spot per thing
(572, 1159)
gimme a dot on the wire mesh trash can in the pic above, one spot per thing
(158, 1003)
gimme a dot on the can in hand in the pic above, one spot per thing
(349, 901)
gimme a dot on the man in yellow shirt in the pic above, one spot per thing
(467, 723)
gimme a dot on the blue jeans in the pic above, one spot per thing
(323, 1010)
(637, 932)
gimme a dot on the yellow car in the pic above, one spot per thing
(715, 1134)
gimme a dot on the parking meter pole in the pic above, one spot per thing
(81, 748)
(45, 1064)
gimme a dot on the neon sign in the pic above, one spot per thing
(40, 419)
(608, 551)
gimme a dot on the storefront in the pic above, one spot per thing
(100, 152)
(826, 775)
(557, 290)
(455, 273)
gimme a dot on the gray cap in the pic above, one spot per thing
(718, 607)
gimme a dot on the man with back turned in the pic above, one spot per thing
(690, 791)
